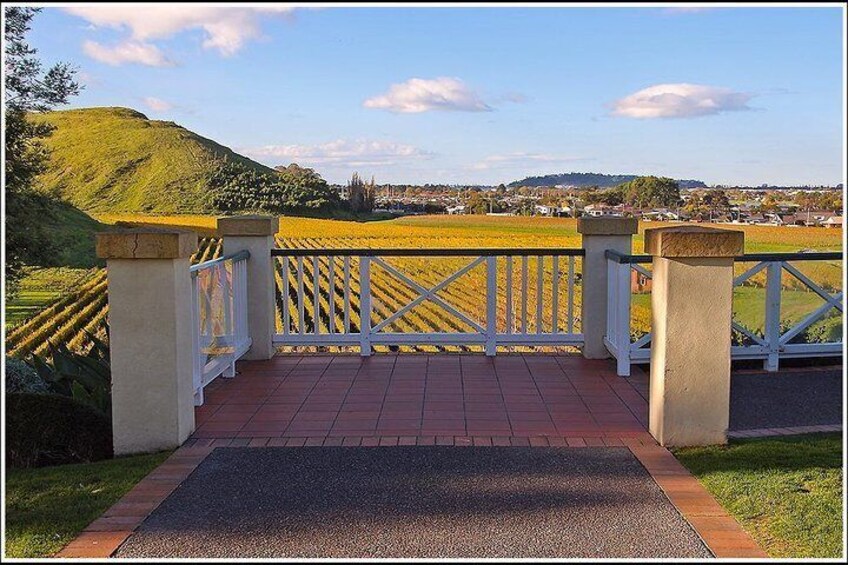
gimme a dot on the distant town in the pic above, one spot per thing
(768, 205)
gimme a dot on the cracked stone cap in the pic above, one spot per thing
(607, 225)
(248, 225)
(694, 241)
(145, 243)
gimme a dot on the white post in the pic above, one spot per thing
(256, 235)
(774, 270)
(150, 337)
(365, 306)
(692, 302)
(491, 305)
(599, 234)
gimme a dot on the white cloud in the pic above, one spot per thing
(157, 104)
(127, 52)
(521, 159)
(341, 152)
(225, 29)
(680, 101)
(421, 95)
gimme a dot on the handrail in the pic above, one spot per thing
(799, 256)
(428, 252)
(237, 256)
(619, 257)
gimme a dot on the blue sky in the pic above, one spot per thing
(485, 95)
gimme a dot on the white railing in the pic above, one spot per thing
(219, 318)
(776, 342)
(332, 297)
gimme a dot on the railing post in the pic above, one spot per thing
(491, 305)
(256, 235)
(365, 306)
(599, 234)
(692, 302)
(772, 322)
(621, 304)
(150, 337)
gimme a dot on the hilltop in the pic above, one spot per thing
(591, 179)
(118, 160)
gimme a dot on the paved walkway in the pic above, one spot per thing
(425, 502)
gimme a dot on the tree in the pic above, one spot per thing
(716, 201)
(647, 192)
(236, 187)
(28, 89)
(807, 201)
(360, 195)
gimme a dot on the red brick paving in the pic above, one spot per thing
(422, 396)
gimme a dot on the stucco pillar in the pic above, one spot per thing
(150, 333)
(599, 234)
(691, 302)
(255, 234)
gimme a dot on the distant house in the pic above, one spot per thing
(833, 222)
(639, 282)
(460, 209)
(598, 210)
(544, 210)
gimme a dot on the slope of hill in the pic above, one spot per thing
(591, 179)
(117, 160)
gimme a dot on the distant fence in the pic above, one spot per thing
(775, 337)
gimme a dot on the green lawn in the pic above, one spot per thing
(39, 288)
(786, 492)
(46, 508)
(749, 309)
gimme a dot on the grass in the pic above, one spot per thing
(786, 492)
(117, 159)
(40, 287)
(47, 507)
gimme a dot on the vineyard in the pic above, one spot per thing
(71, 318)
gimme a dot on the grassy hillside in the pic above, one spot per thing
(117, 160)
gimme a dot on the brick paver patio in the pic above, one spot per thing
(342, 399)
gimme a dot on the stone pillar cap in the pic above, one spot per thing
(249, 225)
(694, 241)
(607, 225)
(145, 243)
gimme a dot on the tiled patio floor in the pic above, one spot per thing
(538, 398)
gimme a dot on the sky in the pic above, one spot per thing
(483, 95)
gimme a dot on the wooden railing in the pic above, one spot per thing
(219, 318)
(363, 297)
(777, 340)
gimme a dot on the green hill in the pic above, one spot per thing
(591, 179)
(117, 160)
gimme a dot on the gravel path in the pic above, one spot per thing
(416, 502)
(785, 399)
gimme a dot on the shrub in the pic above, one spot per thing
(48, 429)
(20, 377)
(87, 378)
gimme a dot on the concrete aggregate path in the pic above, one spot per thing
(416, 502)
(785, 399)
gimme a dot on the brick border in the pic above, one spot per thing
(722, 535)
(719, 531)
(790, 431)
(103, 536)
